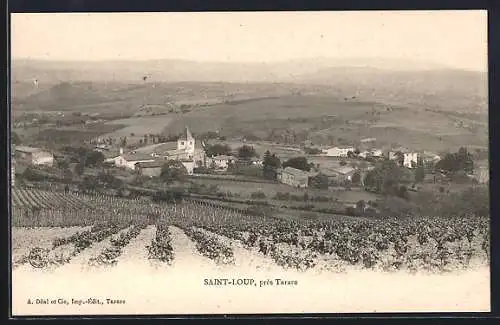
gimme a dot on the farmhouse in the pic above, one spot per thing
(339, 175)
(410, 158)
(129, 160)
(339, 151)
(35, 156)
(221, 162)
(151, 169)
(293, 177)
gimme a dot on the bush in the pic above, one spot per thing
(259, 210)
(283, 196)
(258, 195)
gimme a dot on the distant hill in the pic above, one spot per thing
(390, 81)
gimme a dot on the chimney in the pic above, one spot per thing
(121, 151)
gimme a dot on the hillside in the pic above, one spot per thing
(395, 81)
(321, 100)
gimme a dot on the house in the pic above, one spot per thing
(340, 175)
(429, 159)
(482, 174)
(410, 158)
(377, 153)
(220, 162)
(293, 177)
(341, 151)
(151, 169)
(256, 162)
(35, 156)
(128, 160)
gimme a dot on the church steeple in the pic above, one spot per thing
(186, 141)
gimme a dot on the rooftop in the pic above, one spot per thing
(150, 164)
(137, 156)
(186, 135)
(27, 149)
(294, 171)
(339, 170)
(224, 157)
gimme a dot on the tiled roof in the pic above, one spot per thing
(294, 171)
(223, 157)
(151, 164)
(136, 157)
(27, 149)
(186, 135)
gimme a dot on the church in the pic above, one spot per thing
(185, 150)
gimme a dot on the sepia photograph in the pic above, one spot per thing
(203, 163)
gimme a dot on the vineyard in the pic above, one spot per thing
(53, 230)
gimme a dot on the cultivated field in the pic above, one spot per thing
(139, 126)
(121, 238)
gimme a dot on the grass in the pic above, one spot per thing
(245, 190)
(237, 110)
(67, 136)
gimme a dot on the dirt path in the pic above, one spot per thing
(186, 256)
(135, 254)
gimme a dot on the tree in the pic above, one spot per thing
(173, 171)
(455, 162)
(350, 154)
(419, 174)
(218, 150)
(93, 159)
(356, 177)
(246, 152)
(342, 163)
(270, 165)
(360, 206)
(400, 158)
(319, 181)
(79, 169)
(298, 163)
(385, 178)
(15, 138)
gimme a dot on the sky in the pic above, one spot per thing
(453, 38)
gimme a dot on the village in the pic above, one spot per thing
(339, 173)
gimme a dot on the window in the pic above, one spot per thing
(182, 143)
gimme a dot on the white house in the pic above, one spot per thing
(293, 177)
(35, 156)
(410, 158)
(221, 162)
(129, 160)
(338, 151)
(377, 153)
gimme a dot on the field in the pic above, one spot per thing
(139, 126)
(329, 120)
(113, 236)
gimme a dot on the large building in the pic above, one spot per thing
(339, 151)
(294, 177)
(35, 156)
(185, 150)
(220, 162)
